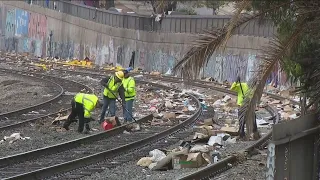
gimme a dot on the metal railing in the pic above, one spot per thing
(293, 152)
(170, 24)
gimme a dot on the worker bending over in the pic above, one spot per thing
(82, 105)
(129, 86)
(112, 88)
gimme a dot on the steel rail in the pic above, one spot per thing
(61, 91)
(71, 144)
(225, 163)
(56, 98)
(228, 162)
(222, 164)
(162, 77)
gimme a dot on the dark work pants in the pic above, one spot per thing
(77, 110)
(242, 125)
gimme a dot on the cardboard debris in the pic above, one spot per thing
(169, 115)
(206, 130)
(191, 160)
(144, 162)
(200, 148)
(60, 118)
(209, 122)
(199, 136)
(230, 130)
(168, 160)
(155, 73)
(276, 102)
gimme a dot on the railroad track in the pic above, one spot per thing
(259, 143)
(60, 103)
(39, 163)
(224, 164)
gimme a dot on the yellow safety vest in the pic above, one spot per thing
(89, 102)
(236, 87)
(113, 87)
(129, 87)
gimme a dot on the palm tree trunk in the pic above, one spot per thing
(303, 104)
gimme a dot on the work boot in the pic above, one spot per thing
(66, 128)
(86, 128)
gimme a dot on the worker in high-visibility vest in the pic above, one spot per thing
(112, 88)
(129, 86)
(242, 89)
(82, 106)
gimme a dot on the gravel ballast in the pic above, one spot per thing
(129, 170)
(43, 133)
(19, 92)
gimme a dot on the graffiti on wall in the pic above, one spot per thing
(1, 20)
(10, 23)
(37, 30)
(22, 22)
(11, 41)
(27, 32)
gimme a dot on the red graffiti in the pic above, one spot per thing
(37, 26)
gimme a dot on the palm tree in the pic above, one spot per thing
(297, 42)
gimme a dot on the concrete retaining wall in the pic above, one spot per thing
(44, 32)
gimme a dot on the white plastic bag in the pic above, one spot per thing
(157, 155)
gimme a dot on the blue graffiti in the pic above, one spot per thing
(22, 19)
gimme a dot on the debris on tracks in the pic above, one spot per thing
(12, 138)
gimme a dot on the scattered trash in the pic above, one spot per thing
(13, 137)
(262, 123)
(59, 118)
(157, 155)
(138, 76)
(200, 148)
(169, 72)
(216, 156)
(190, 108)
(144, 162)
(67, 93)
(215, 140)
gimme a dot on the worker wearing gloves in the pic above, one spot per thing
(82, 105)
(112, 88)
(129, 84)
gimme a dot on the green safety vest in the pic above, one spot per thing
(89, 102)
(129, 87)
(113, 87)
(236, 87)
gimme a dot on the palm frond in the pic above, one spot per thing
(240, 6)
(210, 41)
(273, 54)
